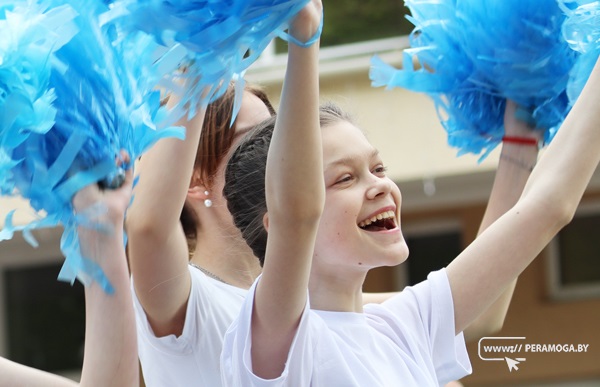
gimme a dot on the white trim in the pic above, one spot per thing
(556, 290)
(434, 225)
(450, 191)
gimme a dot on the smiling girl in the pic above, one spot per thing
(331, 214)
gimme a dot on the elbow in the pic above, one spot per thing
(311, 207)
(137, 226)
(492, 327)
(483, 328)
(305, 213)
(555, 214)
(315, 205)
(303, 206)
(563, 214)
(569, 213)
(142, 229)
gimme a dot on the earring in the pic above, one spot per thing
(207, 202)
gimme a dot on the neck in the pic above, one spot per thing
(335, 291)
(227, 258)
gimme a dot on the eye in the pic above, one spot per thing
(380, 170)
(344, 179)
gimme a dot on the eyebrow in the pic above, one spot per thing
(351, 160)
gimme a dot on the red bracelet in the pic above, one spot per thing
(520, 140)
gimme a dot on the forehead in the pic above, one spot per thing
(343, 140)
(252, 112)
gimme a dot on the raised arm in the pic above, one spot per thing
(157, 246)
(110, 357)
(514, 167)
(552, 193)
(295, 195)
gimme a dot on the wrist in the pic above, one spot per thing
(305, 43)
(302, 34)
(522, 164)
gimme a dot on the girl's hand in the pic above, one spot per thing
(515, 127)
(115, 201)
(306, 23)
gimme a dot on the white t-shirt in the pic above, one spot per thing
(191, 359)
(408, 340)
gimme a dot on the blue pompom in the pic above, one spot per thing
(221, 39)
(73, 95)
(472, 55)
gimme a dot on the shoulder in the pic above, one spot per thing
(416, 309)
(214, 299)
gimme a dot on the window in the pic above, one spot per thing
(45, 318)
(574, 257)
(42, 320)
(432, 245)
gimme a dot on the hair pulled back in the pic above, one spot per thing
(245, 178)
(216, 138)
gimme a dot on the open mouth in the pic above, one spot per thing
(380, 222)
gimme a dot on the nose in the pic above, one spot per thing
(378, 186)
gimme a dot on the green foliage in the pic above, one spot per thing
(351, 21)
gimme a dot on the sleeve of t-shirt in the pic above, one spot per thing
(236, 359)
(426, 311)
(176, 345)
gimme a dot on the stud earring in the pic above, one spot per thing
(207, 202)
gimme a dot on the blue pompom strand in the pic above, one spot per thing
(472, 55)
(73, 95)
(221, 39)
(581, 30)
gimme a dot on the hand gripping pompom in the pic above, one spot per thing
(219, 39)
(72, 96)
(469, 56)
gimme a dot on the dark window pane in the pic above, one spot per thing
(580, 251)
(46, 319)
(431, 252)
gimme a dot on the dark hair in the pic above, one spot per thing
(216, 139)
(245, 178)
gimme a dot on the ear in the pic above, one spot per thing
(197, 189)
(266, 221)
(197, 192)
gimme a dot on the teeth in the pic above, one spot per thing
(383, 215)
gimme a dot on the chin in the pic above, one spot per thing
(396, 256)
(402, 253)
